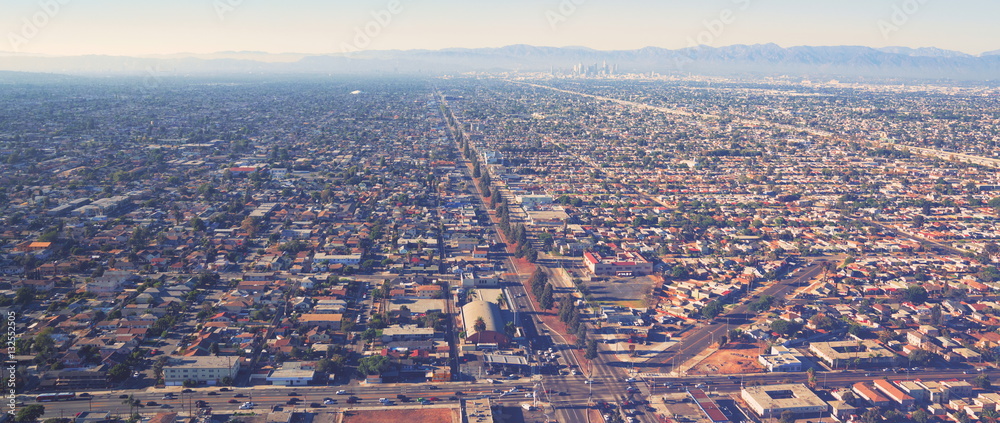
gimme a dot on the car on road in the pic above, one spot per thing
(315, 405)
(239, 395)
(166, 406)
(588, 381)
(631, 379)
(213, 393)
(432, 387)
(341, 392)
(458, 393)
(293, 394)
(329, 401)
(233, 401)
(85, 395)
(225, 389)
(291, 401)
(187, 390)
(123, 396)
(151, 403)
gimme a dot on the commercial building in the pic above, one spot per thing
(478, 411)
(708, 406)
(781, 359)
(208, 370)
(770, 401)
(626, 263)
(291, 377)
(491, 335)
(841, 354)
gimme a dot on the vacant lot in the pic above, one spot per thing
(430, 415)
(734, 358)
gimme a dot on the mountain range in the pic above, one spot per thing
(757, 60)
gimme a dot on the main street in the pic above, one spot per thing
(608, 381)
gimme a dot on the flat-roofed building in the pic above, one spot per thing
(770, 401)
(291, 377)
(957, 388)
(208, 370)
(478, 410)
(781, 359)
(936, 393)
(406, 333)
(914, 389)
(626, 263)
(840, 354)
(842, 410)
(321, 320)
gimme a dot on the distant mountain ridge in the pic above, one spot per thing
(758, 59)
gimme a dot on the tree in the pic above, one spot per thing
(920, 416)
(921, 357)
(982, 381)
(787, 417)
(531, 256)
(546, 300)
(849, 397)
(915, 294)
(119, 372)
(812, 377)
(30, 413)
(591, 352)
(785, 327)
(479, 325)
(373, 364)
(369, 334)
(214, 349)
(711, 310)
(918, 221)
(723, 340)
(873, 416)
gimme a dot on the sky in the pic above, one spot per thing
(153, 27)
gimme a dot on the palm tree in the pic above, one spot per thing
(132, 402)
(480, 325)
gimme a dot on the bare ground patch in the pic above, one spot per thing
(428, 415)
(734, 358)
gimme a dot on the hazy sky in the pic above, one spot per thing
(134, 27)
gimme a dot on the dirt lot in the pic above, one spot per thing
(431, 415)
(734, 358)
